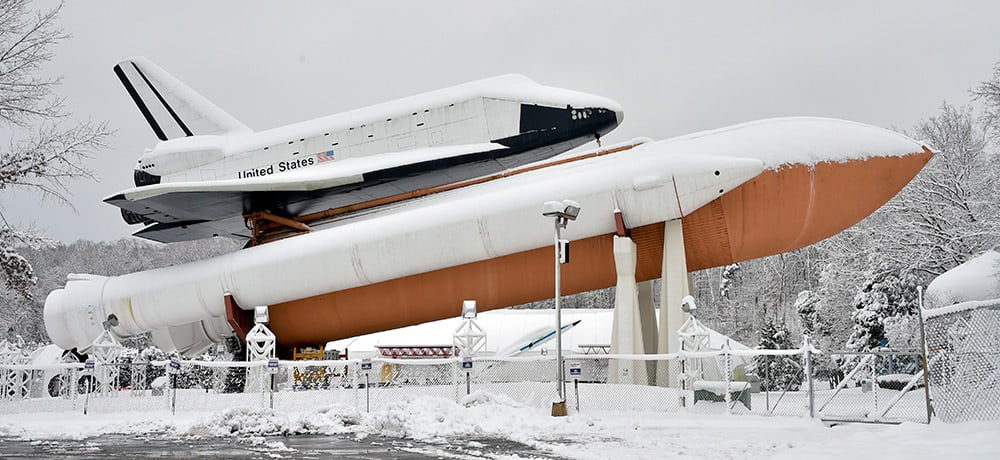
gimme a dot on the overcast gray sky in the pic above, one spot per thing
(675, 67)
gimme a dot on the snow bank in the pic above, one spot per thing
(246, 421)
(976, 280)
(483, 416)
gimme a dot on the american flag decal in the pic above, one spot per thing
(325, 156)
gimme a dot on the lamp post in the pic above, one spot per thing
(562, 212)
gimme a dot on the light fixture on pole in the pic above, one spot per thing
(562, 212)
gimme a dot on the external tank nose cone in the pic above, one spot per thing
(794, 206)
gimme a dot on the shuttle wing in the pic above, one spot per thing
(190, 210)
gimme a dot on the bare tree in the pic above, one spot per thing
(948, 213)
(989, 92)
(44, 150)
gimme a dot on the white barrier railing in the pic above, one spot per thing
(382, 382)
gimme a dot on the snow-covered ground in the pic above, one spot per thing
(484, 416)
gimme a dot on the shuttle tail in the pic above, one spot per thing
(170, 107)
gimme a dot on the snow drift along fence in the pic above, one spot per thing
(722, 381)
(963, 352)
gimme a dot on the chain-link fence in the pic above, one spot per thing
(883, 386)
(594, 383)
(963, 343)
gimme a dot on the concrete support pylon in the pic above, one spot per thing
(627, 332)
(675, 285)
(647, 324)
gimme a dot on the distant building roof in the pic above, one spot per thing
(503, 328)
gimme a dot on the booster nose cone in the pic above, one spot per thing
(55, 320)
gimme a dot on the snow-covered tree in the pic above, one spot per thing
(886, 297)
(989, 93)
(949, 212)
(52, 264)
(729, 275)
(809, 306)
(777, 373)
(817, 321)
(43, 151)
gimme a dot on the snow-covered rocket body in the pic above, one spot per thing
(209, 170)
(755, 189)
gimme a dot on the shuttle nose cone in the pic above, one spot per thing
(619, 115)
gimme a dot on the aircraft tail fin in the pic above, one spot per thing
(170, 107)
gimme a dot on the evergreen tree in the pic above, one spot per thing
(884, 298)
(777, 373)
(809, 305)
(816, 322)
(236, 377)
(729, 274)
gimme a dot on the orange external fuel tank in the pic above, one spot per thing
(780, 210)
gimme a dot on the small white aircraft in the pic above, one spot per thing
(210, 172)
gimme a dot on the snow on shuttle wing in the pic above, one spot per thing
(295, 191)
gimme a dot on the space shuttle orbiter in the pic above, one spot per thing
(210, 171)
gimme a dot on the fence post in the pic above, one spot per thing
(683, 383)
(809, 376)
(576, 392)
(874, 382)
(89, 371)
(353, 368)
(923, 352)
(729, 371)
(173, 394)
(456, 368)
(74, 390)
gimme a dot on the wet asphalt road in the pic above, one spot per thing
(301, 446)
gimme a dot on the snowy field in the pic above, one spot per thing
(485, 417)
